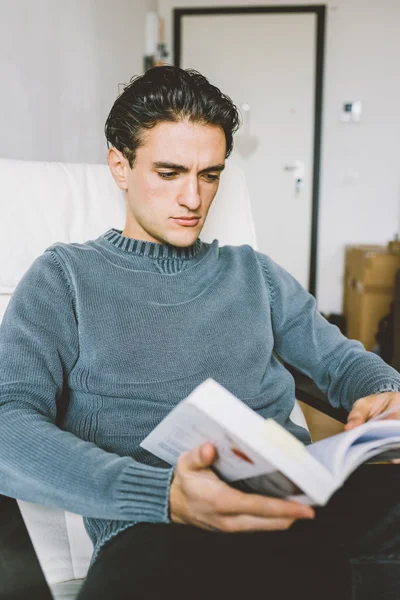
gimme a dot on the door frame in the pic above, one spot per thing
(320, 12)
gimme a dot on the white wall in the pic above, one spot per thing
(60, 65)
(360, 177)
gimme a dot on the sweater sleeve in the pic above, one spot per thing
(340, 367)
(39, 462)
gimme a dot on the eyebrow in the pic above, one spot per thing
(183, 169)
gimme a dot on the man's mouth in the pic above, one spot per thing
(187, 221)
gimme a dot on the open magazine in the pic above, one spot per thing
(259, 454)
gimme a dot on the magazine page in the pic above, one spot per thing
(344, 452)
(360, 453)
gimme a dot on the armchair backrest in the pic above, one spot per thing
(42, 203)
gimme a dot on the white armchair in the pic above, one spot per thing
(43, 203)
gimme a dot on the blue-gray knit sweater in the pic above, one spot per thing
(118, 331)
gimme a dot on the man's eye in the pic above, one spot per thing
(171, 174)
(168, 175)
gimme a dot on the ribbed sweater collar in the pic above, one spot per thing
(150, 249)
(162, 286)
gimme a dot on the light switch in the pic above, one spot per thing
(351, 112)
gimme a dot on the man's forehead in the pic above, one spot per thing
(180, 144)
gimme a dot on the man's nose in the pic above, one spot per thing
(190, 194)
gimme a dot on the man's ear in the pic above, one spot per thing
(119, 166)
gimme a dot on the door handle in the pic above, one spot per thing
(297, 168)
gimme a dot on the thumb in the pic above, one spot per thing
(201, 457)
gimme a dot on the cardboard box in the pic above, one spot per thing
(368, 290)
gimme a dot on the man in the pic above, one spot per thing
(123, 327)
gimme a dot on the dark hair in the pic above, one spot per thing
(167, 93)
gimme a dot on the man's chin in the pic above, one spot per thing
(183, 239)
(182, 242)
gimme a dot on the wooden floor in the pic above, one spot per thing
(321, 426)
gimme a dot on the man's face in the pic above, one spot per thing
(173, 181)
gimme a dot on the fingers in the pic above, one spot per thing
(228, 501)
(366, 408)
(234, 502)
(354, 421)
(199, 497)
(359, 412)
(242, 523)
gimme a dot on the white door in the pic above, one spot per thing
(266, 64)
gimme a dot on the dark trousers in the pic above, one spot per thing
(350, 551)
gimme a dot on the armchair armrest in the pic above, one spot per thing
(21, 576)
(310, 394)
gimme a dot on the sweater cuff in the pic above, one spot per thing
(374, 385)
(387, 387)
(142, 493)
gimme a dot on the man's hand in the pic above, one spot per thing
(198, 497)
(366, 408)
